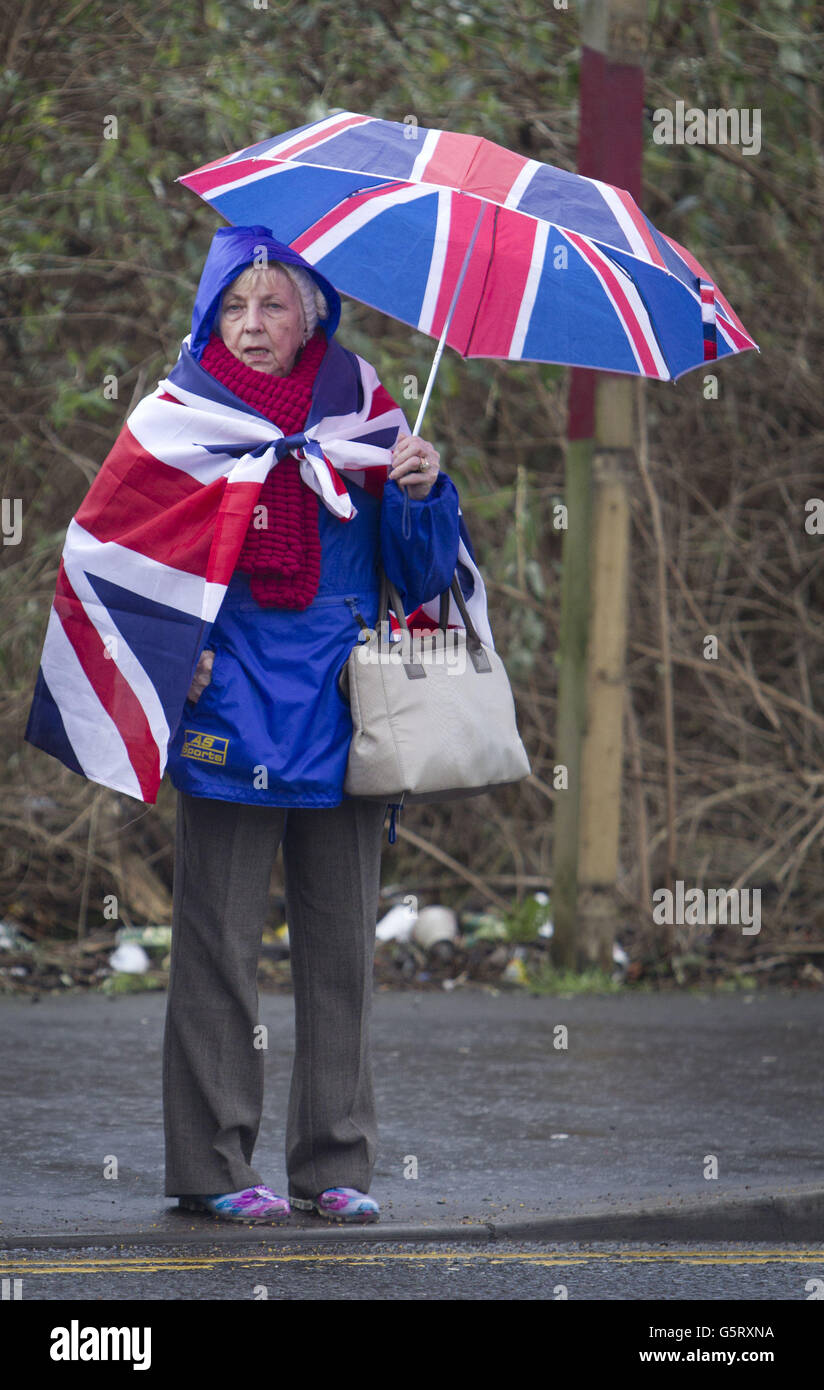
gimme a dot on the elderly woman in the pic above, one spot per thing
(260, 757)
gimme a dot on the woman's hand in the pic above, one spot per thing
(407, 456)
(202, 676)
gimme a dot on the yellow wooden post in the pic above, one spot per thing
(595, 558)
(602, 749)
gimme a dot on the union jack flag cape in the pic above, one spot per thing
(149, 555)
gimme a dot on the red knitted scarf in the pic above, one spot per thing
(282, 553)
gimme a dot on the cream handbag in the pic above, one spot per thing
(433, 715)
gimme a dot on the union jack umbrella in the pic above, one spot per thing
(495, 254)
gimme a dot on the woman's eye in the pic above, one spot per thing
(238, 308)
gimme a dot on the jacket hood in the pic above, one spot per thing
(232, 249)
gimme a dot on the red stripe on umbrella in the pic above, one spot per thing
(212, 178)
(625, 309)
(505, 285)
(291, 148)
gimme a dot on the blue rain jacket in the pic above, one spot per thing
(272, 727)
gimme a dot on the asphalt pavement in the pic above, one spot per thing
(503, 1115)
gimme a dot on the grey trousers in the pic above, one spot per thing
(212, 1070)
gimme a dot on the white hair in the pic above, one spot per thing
(312, 298)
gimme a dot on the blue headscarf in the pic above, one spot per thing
(232, 249)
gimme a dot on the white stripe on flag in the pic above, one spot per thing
(266, 171)
(426, 153)
(202, 413)
(728, 339)
(522, 182)
(94, 737)
(137, 573)
(533, 279)
(124, 658)
(316, 133)
(358, 218)
(719, 317)
(177, 436)
(316, 476)
(635, 304)
(637, 244)
(213, 596)
(437, 262)
(193, 400)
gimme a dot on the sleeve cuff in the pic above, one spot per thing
(434, 494)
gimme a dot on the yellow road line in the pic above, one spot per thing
(149, 1264)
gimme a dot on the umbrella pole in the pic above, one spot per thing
(406, 523)
(433, 371)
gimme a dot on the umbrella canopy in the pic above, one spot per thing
(498, 255)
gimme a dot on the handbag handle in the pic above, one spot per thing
(388, 592)
(474, 645)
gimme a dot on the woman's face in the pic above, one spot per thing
(262, 323)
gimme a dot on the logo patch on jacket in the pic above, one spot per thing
(206, 748)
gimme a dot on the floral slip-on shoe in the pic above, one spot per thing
(340, 1204)
(258, 1204)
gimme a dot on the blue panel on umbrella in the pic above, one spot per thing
(654, 326)
(574, 203)
(290, 200)
(386, 263)
(572, 319)
(670, 258)
(674, 312)
(385, 148)
(271, 144)
(674, 263)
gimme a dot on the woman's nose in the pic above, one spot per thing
(253, 319)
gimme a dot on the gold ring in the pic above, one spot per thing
(424, 463)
